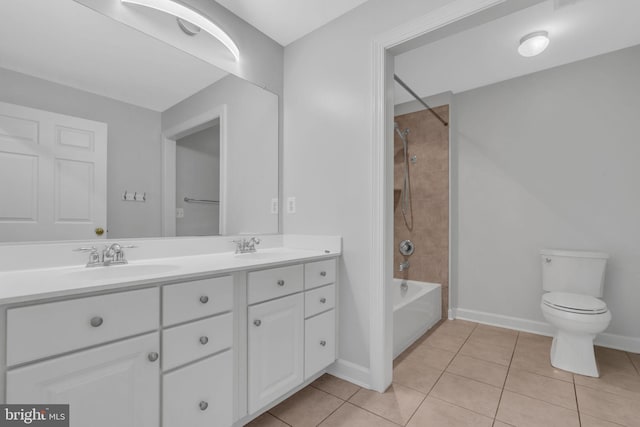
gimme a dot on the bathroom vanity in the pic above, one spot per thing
(201, 340)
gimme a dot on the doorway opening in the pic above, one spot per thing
(193, 177)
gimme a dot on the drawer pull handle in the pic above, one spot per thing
(203, 405)
(204, 299)
(323, 343)
(257, 322)
(204, 340)
(323, 300)
(153, 356)
(96, 321)
(323, 273)
(280, 282)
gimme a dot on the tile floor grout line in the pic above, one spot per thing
(504, 383)
(334, 395)
(637, 368)
(332, 412)
(461, 407)
(575, 395)
(277, 418)
(377, 415)
(415, 410)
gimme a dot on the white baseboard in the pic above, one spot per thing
(351, 372)
(618, 342)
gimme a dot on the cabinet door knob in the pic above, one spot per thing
(323, 273)
(280, 282)
(323, 300)
(203, 405)
(323, 343)
(204, 299)
(153, 356)
(204, 340)
(257, 322)
(96, 321)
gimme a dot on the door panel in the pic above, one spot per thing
(54, 174)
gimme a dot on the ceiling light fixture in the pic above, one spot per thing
(196, 18)
(533, 44)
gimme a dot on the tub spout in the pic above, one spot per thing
(404, 266)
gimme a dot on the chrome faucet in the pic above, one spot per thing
(245, 246)
(110, 255)
(404, 266)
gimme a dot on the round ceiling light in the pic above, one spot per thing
(533, 44)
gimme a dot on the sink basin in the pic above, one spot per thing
(121, 271)
(265, 254)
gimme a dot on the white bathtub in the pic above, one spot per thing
(416, 308)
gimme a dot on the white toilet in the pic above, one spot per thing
(574, 281)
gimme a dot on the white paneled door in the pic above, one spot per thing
(53, 175)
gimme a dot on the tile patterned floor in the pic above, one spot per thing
(465, 374)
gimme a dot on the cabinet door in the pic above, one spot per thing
(275, 349)
(112, 385)
(200, 395)
(320, 343)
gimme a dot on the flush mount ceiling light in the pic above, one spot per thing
(533, 44)
(191, 16)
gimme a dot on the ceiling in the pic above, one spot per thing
(288, 20)
(70, 44)
(487, 54)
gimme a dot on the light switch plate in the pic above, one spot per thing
(274, 206)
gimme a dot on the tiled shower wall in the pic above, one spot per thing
(429, 177)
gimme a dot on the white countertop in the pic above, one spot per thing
(32, 284)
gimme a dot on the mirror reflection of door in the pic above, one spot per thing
(198, 181)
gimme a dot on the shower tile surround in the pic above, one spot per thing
(436, 383)
(429, 179)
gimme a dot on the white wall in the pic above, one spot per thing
(133, 155)
(198, 177)
(327, 153)
(252, 149)
(550, 160)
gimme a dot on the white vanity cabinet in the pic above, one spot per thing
(112, 383)
(198, 351)
(198, 359)
(291, 332)
(276, 345)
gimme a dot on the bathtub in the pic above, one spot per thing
(416, 308)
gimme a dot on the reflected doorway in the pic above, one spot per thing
(198, 181)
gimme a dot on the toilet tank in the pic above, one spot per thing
(577, 272)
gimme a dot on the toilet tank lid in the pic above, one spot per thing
(575, 254)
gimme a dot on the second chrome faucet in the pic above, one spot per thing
(245, 246)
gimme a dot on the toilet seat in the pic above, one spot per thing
(574, 303)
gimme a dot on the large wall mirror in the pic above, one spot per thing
(104, 127)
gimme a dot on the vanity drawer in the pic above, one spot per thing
(199, 395)
(274, 282)
(47, 329)
(319, 300)
(319, 273)
(320, 343)
(182, 344)
(200, 298)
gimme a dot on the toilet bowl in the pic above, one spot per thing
(578, 319)
(574, 282)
